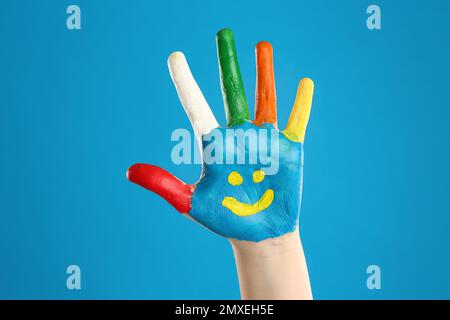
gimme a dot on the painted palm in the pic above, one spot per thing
(245, 200)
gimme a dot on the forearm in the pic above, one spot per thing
(273, 268)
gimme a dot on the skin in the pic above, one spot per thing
(272, 269)
(270, 260)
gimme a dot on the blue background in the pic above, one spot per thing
(78, 107)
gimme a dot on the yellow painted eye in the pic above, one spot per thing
(258, 176)
(235, 179)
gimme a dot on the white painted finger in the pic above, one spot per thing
(190, 95)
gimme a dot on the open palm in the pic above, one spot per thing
(250, 186)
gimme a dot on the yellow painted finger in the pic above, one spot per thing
(298, 120)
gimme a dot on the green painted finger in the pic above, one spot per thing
(236, 108)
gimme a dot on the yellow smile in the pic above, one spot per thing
(244, 209)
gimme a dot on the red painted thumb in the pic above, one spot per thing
(163, 183)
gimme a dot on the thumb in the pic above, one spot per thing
(163, 183)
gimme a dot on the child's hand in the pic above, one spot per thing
(253, 200)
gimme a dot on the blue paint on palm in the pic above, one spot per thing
(279, 218)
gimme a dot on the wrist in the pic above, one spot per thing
(272, 269)
(271, 248)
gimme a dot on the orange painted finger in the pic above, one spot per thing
(265, 96)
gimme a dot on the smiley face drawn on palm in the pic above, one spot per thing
(243, 201)
(247, 203)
